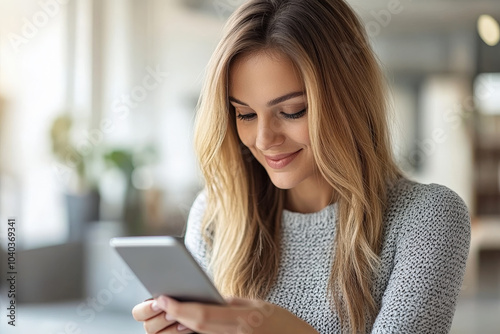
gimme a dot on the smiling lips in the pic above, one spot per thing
(281, 160)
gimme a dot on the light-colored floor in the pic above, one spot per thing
(480, 316)
(472, 316)
(68, 318)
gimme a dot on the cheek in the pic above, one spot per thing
(300, 134)
(245, 134)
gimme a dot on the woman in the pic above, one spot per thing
(305, 220)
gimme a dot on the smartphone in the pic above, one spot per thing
(165, 267)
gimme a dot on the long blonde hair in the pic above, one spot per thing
(349, 139)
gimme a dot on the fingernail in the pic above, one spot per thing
(169, 317)
(181, 327)
(162, 302)
(154, 306)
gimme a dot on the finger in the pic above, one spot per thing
(159, 323)
(174, 329)
(201, 317)
(145, 310)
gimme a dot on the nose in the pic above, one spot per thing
(268, 134)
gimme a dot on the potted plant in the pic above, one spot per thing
(82, 196)
(128, 163)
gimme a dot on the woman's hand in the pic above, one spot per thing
(155, 320)
(239, 316)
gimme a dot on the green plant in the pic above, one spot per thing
(81, 196)
(127, 162)
(67, 153)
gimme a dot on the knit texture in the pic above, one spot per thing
(425, 246)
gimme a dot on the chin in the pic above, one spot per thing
(283, 182)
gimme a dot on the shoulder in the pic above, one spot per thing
(413, 199)
(418, 212)
(193, 238)
(195, 218)
(405, 191)
(199, 204)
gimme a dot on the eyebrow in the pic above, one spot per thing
(273, 101)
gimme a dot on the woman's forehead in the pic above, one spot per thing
(264, 74)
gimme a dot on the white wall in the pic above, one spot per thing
(445, 141)
(32, 82)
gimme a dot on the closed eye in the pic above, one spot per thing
(246, 117)
(251, 116)
(295, 115)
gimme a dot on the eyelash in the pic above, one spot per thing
(249, 117)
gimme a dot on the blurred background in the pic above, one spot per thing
(97, 101)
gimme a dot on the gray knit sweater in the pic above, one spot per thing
(425, 247)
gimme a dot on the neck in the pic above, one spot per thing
(310, 196)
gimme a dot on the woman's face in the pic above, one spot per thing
(271, 116)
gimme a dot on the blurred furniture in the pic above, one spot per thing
(487, 162)
(49, 274)
(485, 235)
(109, 283)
